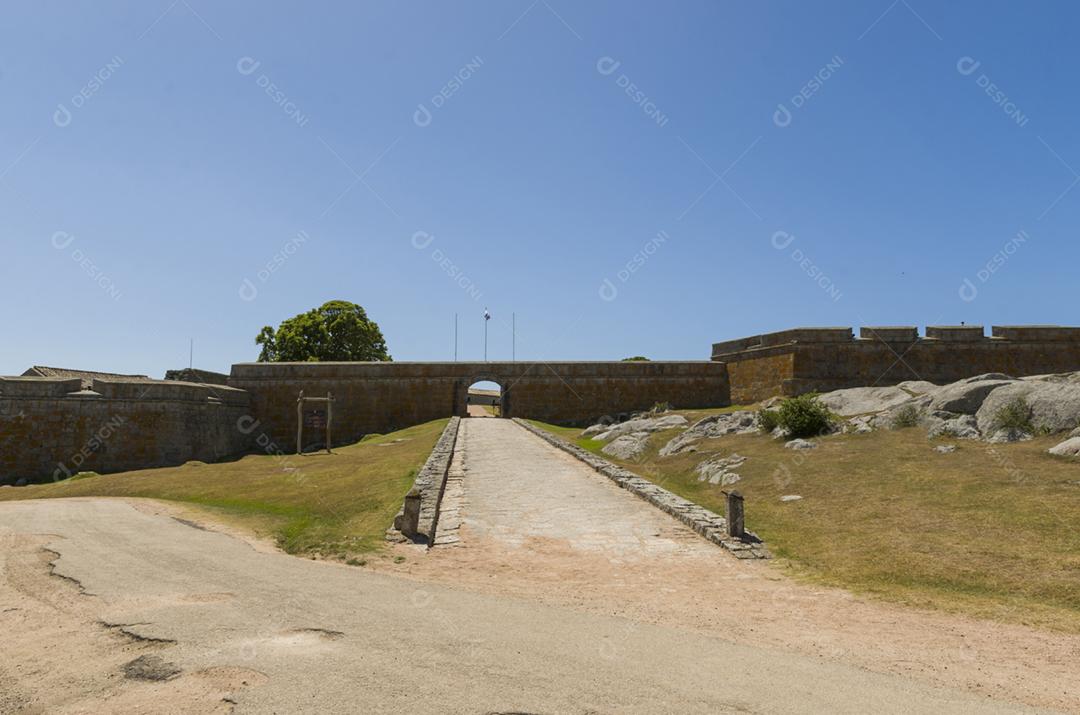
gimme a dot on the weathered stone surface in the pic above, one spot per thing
(967, 396)
(1068, 448)
(642, 424)
(720, 470)
(800, 444)
(628, 446)
(48, 431)
(917, 387)
(1055, 406)
(945, 448)
(863, 424)
(791, 497)
(1008, 435)
(861, 400)
(949, 425)
(738, 422)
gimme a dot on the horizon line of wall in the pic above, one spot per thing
(801, 360)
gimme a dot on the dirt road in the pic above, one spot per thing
(146, 613)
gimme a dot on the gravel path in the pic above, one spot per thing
(266, 632)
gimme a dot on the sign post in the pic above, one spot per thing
(329, 402)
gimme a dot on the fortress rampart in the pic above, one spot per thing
(59, 427)
(384, 396)
(793, 362)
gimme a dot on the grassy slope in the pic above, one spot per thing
(989, 530)
(335, 505)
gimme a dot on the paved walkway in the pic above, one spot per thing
(517, 488)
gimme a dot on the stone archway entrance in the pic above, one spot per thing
(482, 396)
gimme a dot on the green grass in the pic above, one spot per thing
(989, 530)
(333, 505)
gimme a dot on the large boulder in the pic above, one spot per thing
(860, 400)
(917, 387)
(966, 396)
(628, 446)
(718, 425)
(1068, 448)
(946, 424)
(720, 470)
(642, 424)
(1055, 406)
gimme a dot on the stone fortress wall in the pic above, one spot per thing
(794, 362)
(385, 396)
(56, 427)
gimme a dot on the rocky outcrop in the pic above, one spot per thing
(639, 424)
(720, 470)
(628, 446)
(967, 396)
(738, 422)
(1068, 448)
(1055, 406)
(861, 400)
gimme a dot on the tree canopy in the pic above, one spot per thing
(636, 358)
(337, 330)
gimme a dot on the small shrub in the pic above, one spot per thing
(768, 420)
(906, 416)
(356, 562)
(660, 407)
(1014, 415)
(804, 416)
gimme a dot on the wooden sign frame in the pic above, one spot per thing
(329, 400)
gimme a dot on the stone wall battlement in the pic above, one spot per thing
(792, 362)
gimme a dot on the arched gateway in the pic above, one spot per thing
(384, 396)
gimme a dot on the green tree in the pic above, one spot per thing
(337, 330)
(636, 358)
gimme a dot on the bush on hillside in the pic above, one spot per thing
(906, 416)
(804, 416)
(768, 420)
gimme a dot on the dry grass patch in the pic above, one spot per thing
(988, 530)
(334, 505)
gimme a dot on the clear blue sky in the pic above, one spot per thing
(156, 155)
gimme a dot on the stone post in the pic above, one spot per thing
(736, 524)
(408, 522)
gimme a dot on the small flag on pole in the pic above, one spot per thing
(487, 315)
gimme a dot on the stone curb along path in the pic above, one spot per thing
(430, 482)
(708, 524)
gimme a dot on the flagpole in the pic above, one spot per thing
(513, 337)
(485, 333)
(455, 337)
